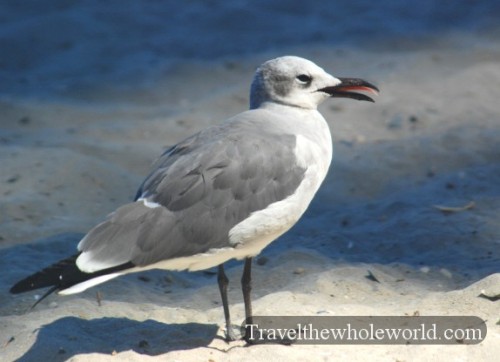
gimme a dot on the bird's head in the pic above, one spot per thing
(298, 82)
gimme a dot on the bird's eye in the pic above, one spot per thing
(304, 79)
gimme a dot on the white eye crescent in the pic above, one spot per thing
(304, 79)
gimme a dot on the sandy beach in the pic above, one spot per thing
(406, 222)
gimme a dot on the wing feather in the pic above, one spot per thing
(205, 185)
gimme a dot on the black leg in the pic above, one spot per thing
(246, 287)
(223, 282)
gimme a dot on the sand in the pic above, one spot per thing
(412, 197)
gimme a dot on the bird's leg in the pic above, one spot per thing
(246, 287)
(223, 282)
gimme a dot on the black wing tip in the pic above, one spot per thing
(29, 284)
(47, 277)
(25, 285)
(59, 276)
(19, 288)
(62, 275)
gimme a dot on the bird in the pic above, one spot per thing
(223, 193)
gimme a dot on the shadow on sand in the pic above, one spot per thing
(70, 336)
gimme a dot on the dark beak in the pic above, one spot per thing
(349, 88)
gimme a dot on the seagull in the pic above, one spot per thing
(223, 193)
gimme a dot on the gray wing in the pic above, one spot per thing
(201, 188)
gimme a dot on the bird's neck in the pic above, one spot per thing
(282, 107)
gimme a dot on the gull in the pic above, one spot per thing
(223, 193)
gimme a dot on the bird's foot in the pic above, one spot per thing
(230, 335)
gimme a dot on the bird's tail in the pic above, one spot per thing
(60, 276)
(56, 275)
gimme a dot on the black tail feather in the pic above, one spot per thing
(60, 276)
(47, 293)
(55, 275)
